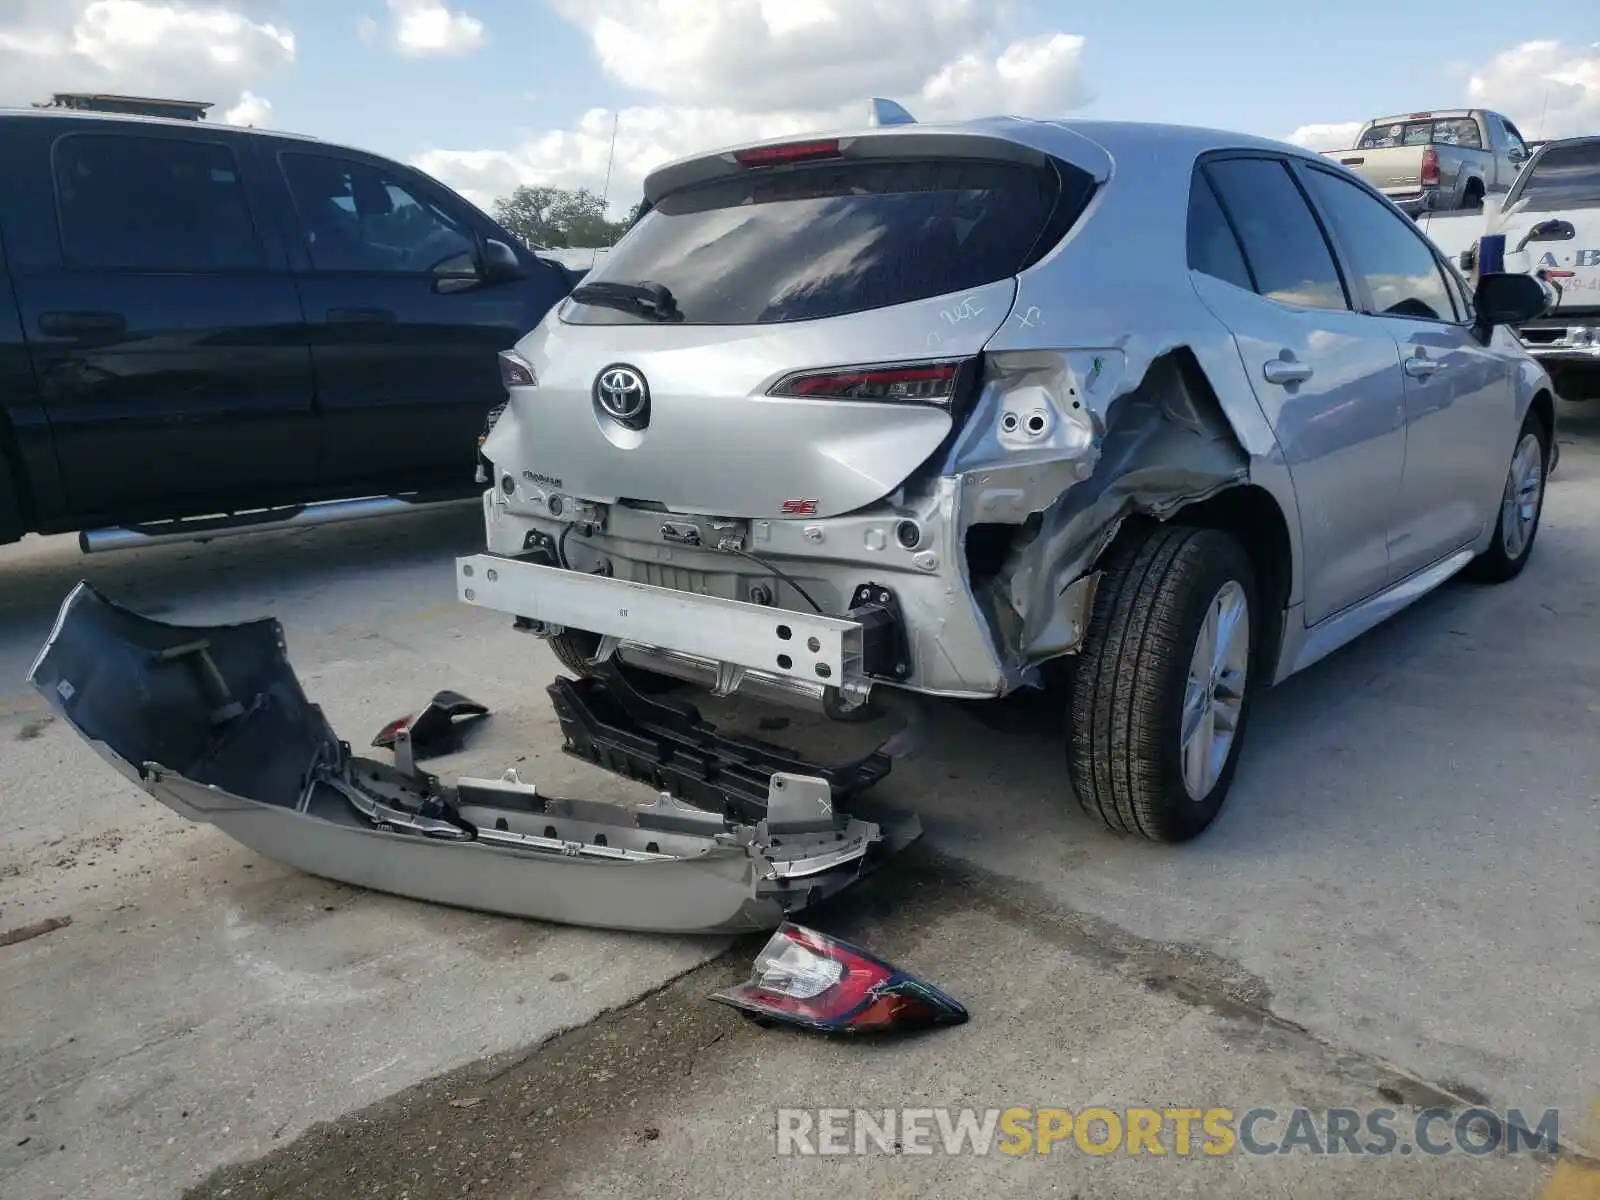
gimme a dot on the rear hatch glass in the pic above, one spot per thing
(804, 242)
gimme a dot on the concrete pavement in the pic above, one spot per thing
(1399, 902)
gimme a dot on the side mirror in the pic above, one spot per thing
(1554, 230)
(1504, 298)
(500, 262)
(1516, 154)
(456, 273)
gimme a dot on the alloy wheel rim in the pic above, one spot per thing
(1213, 697)
(1519, 507)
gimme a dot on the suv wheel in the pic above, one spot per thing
(1163, 684)
(1521, 506)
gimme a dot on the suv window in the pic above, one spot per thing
(826, 239)
(1213, 250)
(1402, 275)
(1284, 245)
(152, 204)
(358, 217)
(1564, 177)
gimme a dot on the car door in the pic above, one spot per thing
(1327, 378)
(164, 330)
(1460, 406)
(404, 351)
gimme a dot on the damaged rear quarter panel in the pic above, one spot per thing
(1128, 426)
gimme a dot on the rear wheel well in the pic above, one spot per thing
(1473, 189)
(1250, 514)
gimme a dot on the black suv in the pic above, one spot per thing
(196, 319)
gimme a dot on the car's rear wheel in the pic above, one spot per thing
(1163, 685)
(1521, 507)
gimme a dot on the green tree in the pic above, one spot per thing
(555, 218)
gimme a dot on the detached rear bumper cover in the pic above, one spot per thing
(212, 722)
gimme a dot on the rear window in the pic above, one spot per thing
(1566, 177)
(1447, 131)
(826, 239)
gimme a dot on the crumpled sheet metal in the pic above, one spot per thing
(261, 778)
(1116, 448)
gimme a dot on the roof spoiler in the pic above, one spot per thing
(887, 112)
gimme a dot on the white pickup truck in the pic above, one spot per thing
(1550, 220)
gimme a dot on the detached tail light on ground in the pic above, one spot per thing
(818, 982)
(936, 383)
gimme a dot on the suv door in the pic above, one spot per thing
(1328, 380)
(405, 353)
(1461, 417)
(168, 347)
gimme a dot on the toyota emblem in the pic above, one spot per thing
(623, 395)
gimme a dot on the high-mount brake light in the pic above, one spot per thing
(809, 979)
(767, 156)
(916, 383)
(516, 371)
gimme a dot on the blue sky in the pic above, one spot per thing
(490, 93)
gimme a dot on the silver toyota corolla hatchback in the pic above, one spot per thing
(1176, 412)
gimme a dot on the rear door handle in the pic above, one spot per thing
(1420, 368)
(1286, 371)
(81, 323)
(362, 316)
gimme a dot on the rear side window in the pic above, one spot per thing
(1283, 243)
(153, 204)
(1447, 131)
(1564, 177)
(1213, 250)
(1402, 276)
(826, 239)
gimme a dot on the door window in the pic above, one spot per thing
(1213, 250)
(152, 204)
(358, 217)
(1402, 276)
(1283, 244)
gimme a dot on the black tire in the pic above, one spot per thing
(11, 529)
(1501, 563)
(574, 648)
(1124, 724)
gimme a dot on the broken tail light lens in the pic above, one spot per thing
(788, 152)
(936, 383)
(516, 371)
(809, 979)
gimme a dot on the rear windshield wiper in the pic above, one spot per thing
(651, 299)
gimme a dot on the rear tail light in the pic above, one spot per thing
(516, 371)
(767, 156)
(937, 383)
(1430, 167)
(806, 978)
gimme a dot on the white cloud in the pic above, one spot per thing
(251, 110)
(1548, 88)
(169, 48)
(423, 27)
(729, 71)
(1336, 135)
